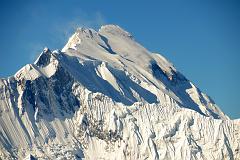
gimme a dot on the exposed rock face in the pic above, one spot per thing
(104, 96)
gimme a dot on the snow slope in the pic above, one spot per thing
(104, 96)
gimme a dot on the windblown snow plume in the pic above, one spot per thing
(104, 96)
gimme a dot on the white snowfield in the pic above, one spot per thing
(104, 96)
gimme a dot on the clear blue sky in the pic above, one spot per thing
(201, 37)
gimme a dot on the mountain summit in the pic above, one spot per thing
(104, 96)
(116, 48)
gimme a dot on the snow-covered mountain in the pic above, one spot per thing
(104, 96)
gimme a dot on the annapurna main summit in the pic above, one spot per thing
(104, 96)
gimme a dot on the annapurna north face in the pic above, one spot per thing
(104, 96)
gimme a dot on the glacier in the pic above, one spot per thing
(105, 96)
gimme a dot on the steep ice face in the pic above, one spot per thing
(116, 47)
(104, 96)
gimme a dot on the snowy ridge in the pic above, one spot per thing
(104, 96)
